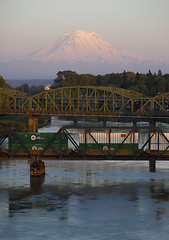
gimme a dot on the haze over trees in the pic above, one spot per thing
(30, 90)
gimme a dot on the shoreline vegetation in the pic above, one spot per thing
(20, 123)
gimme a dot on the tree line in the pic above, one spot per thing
(3, 82)
(148, 84)
(30, 90)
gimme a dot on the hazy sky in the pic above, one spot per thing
(141, 26)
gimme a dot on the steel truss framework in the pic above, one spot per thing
(84, 101)
(136, 154)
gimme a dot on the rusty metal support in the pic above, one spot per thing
(37, 168)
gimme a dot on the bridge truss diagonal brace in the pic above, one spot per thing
(166, 147)
(125, 103)
(142, 109)
(161, 106)
(148, 141)
(114, 153)
(48, 145)
(71, 139)
(89, 132)
(2, 139)
(21, 143)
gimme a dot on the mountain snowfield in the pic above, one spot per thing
(81, 46)
(80, 51)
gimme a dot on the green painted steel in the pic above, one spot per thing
(38, 141)
(105, 146)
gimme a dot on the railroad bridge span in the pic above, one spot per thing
(84, 101)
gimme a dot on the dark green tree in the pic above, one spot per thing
(65, 78)
(2, 82)
(159, 73)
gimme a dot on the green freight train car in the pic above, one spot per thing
(96, 143)
(89, 143)
(37, 142)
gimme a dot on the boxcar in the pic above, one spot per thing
(98, 143)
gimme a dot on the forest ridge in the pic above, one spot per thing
(148, 84)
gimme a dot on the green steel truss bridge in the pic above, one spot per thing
(84, 101)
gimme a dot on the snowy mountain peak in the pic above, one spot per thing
(74, 47)
(81, 36)
(84, 52)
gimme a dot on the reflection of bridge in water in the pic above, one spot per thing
(78, 180)
(84, 101)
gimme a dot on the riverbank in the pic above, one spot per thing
(20, 123)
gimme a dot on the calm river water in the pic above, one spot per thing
(84, 200)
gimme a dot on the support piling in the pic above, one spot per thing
(152, 165)
(33, 123)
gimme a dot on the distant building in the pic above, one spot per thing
(47, 87)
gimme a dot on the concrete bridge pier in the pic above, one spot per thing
(33, 123)
(152, 165)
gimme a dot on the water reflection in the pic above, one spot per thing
(160, 192)
(38, 197)
(36, 183)
(58, 198)
(84, 200)
(79, 200)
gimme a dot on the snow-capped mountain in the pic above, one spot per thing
(84, 52)
(80, 46)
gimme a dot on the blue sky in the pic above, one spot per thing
(140, 26)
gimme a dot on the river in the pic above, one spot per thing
(79, 200)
